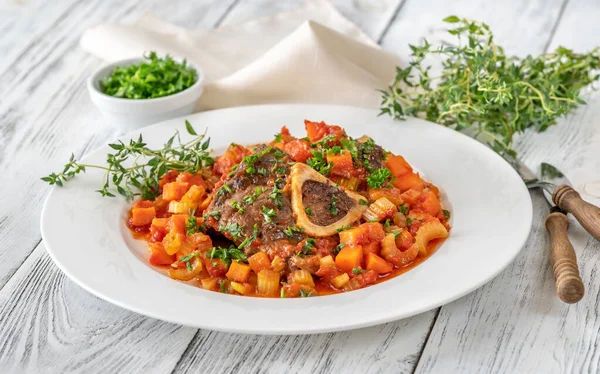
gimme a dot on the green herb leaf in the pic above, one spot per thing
(379, 178)
(446, 213)
(154, 77)
(309, 212)
(485, 93)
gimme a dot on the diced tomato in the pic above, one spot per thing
(429, 203)
(192, 179)
(366, 278)
(375, 232)
(397, 165)
(158, 229)
(158, 256)
(233, 156)
(325, 246)
(317, 130)
(169, 177)
(298, 150)
(215, 267)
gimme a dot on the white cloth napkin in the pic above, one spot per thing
(288, 57)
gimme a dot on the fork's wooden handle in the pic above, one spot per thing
(569, 286)
(588, 215)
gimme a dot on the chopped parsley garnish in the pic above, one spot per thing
(236, 205)
(446, 213)
(252, 159)
(304, 293)
(363, 202)
(350, 145)
(335, 150)
(278, 154)
(276, 196)
(409, 221)
(379, 178)
(233, 228)
(278, 138)
(309, 211)
(215, 214)
(259, 190)
(187, 259)
(262, 171)
(222, 286)
(191, 226)
(357, 270)
(324, 141)
(268, 214)
(307, 248)
(332, 207)
(404, 209)
(387, 223)
(224, 188)
(250, 239)
(319, 162)
(291, 230)
(342, 228)
(227, 254)
(339, 247)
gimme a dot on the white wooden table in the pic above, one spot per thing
(48, 324)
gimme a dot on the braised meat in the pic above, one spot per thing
(327, 203)
(253, 206)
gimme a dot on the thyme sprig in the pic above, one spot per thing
(135, 169)
(485, 93)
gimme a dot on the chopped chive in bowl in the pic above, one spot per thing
(152, 78)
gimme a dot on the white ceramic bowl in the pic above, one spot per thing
(131, 114)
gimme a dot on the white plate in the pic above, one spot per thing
(86, 236)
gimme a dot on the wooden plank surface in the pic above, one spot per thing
(48, 324)
(516, 324)
(39, 297)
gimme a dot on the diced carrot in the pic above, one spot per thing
(174, 190)
(355, 236)
(177, 223)
(285, 130)
(142, 216)
(341, 164)
(429, 203)
(298, 150)
(210, 284)
(242, 288)
(408, 181)
(199, 242)
(350, 257)
(143, 204)
(372, 247)
(397, 165)
(377, 264)
(205, 203)
(158, 256)
(259, 261)
(238, 272)
(410, 196)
